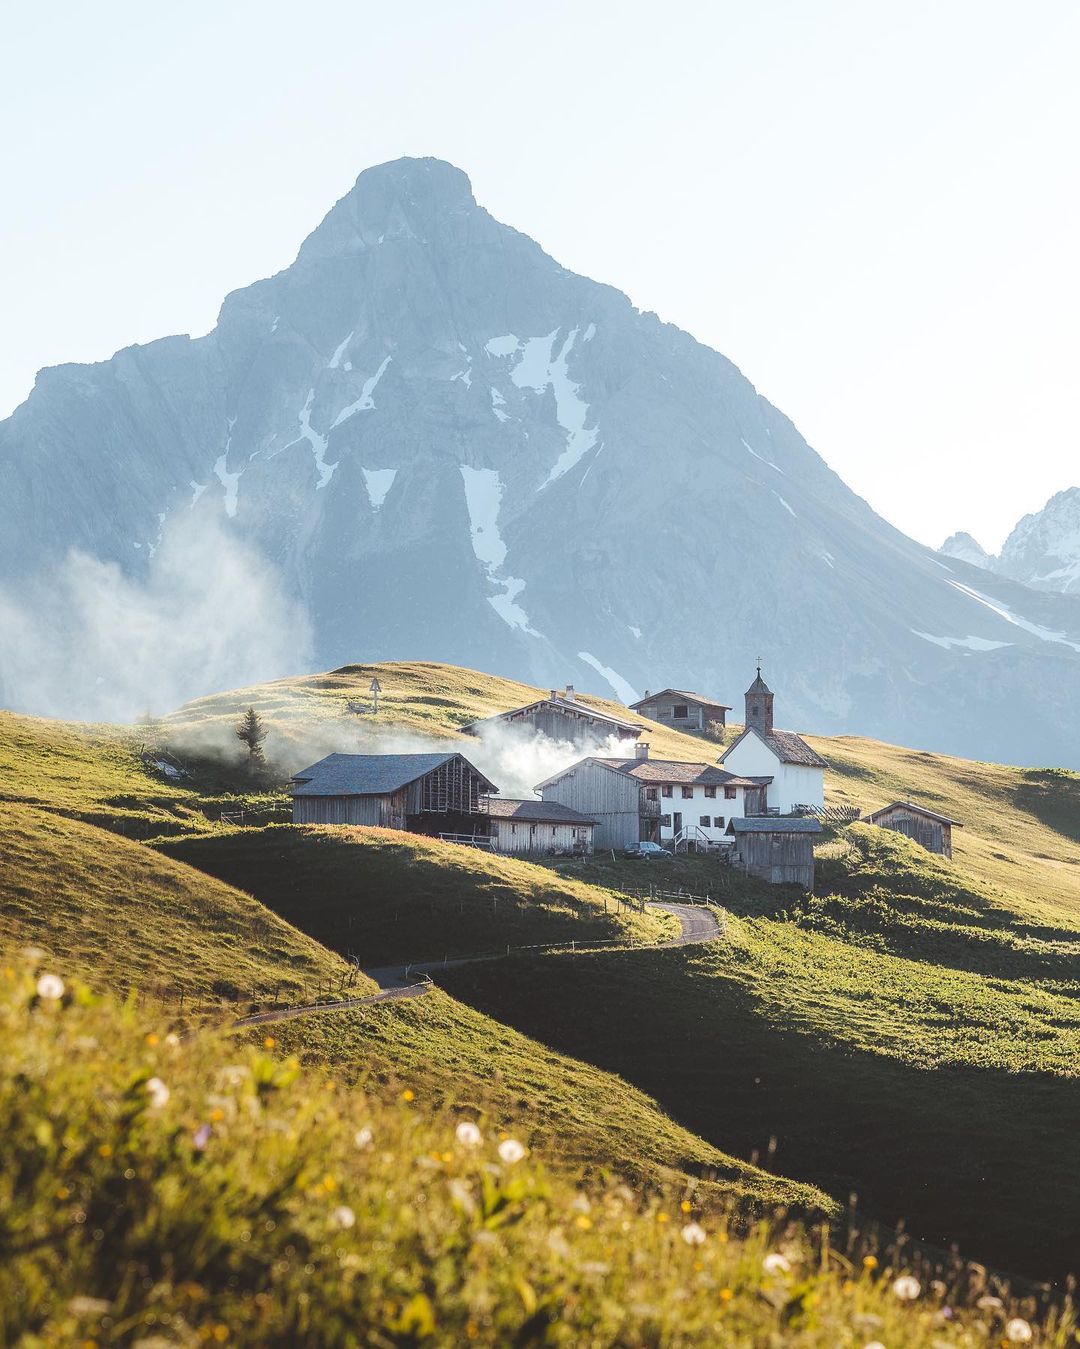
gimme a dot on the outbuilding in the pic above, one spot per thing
(424, 793)
(776, 849)
(681, 710)
(538, 827)
(926, 827)
(562, 716)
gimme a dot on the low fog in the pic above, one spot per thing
(90, 643)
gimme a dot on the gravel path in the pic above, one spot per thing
(411, 981)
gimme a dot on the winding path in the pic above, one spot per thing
(697, 924)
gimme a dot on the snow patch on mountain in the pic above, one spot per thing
(317, 441)
(498, 402)
(754, 452)
(624, 690)
(335, 360)
(483, 499)
(365, 403)
(378, 482)
(968, 643)
(229, 481)
(998, 608)
(784, 504)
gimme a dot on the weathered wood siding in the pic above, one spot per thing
(341, 810)
(577, 727)
(521, 837)
(934, 835)
(603, 795)
(697, 718)
(780, 859)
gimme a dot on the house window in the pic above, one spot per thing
(718, 822)
(668, 791)
(665, 821)
(651, 794)
(729, 793)
(681, 710)
(513, 828)
(688, 793)
(706, 820)
(710, 793)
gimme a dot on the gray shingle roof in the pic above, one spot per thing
(366, 774)
(678, 770)
(535, 812)
(786, 745)
(679, 693)
(773, 824)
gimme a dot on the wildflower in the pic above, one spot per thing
(685, 1206)
(89, 1306)
(775, 1263)
(907, 1288)
(50, 987)
(158, 1092)
(363, 1137)
(693, 1234)
(989, 1303)
(32, 954)
(661, 1217)
(468, 1135)
(152, 1039)
(726, 1294)
(874, 1344)
(343, 1216)
(510, 1151)
(172, 1039)
(408, 1094)
(1018, 1331)
(201, 1137)
(105, 1150)
(269, 1042)
(580, 1203)
(870, 1262)
(583, 1221)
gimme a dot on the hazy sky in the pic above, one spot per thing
(872, 208)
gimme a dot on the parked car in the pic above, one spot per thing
(645, 851)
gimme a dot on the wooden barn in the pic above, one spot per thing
(776, 849)
(927, 827)
(684, 711)
(424, 793)
(544, 827)
(560, 716)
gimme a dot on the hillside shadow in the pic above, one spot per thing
(981, 1158)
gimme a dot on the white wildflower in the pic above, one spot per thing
(775, 1263)
(363, 1138)
(510, 1150)
(343, 1216)
(32, 954)
(580, 1203)
(50, 987)
(989, 1303)
(172, 1039)
(468, 1135)
(89, 1306)
(158, 1092)
(693, 1234)
(907, 1288)
(874, 1344)
(1018, 1331)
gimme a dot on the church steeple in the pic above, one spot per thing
(759, 705)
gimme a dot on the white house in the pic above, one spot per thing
(797, 771)
(657, 800)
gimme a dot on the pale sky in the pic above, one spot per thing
(871, 208)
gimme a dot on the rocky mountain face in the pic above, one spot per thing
(446, 446)
(1043, 551)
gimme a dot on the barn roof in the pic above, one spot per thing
(370, 774)
(874, 816)
(786, 745)
(535, 812)
(568, 705)
(659, 772)
(680, 693)
(775, 824)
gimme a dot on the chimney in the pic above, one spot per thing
(641, 749)
(569, 694)
(554, 694)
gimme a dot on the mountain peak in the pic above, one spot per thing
(402, 197)
(963, 546)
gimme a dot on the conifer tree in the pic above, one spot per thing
(251, 731)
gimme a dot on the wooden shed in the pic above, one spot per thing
(538, 827)
(927, 827)
(424, 793)
(562, 716)
(777, 849)
(684, 711)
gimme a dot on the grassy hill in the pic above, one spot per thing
(164, 1192)
(903, 1035)
(123, 917)
(389, 897)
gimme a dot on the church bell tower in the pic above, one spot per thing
(759, 705)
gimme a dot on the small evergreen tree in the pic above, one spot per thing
(251, 732)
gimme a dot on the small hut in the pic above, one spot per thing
(777, 849)
(682, 710)
(424, 793)
(924, 826)
(538, 827)
(561, 716)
